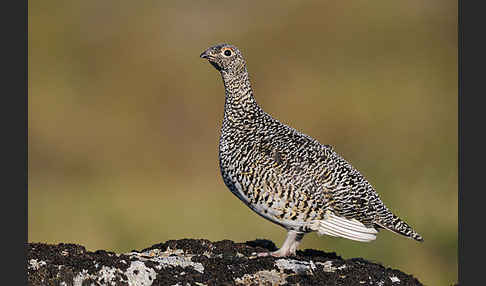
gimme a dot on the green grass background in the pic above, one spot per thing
(124, 118)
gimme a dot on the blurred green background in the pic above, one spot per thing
(124, 118)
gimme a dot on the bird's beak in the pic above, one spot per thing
(205, 54)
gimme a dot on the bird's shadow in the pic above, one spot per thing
(307, 253)
(263, 243)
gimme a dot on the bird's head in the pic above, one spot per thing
(224, 57)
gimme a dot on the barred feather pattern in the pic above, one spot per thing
(284, 175)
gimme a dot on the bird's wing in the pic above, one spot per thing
(334, 225)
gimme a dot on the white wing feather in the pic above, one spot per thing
(334, 225)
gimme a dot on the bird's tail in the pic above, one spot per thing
(397, 225)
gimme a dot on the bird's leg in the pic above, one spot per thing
(289, 246)
(298, 238)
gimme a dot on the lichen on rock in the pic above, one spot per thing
(201, 262)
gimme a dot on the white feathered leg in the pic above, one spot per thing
(289, 246)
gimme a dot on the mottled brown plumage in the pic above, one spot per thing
(288, 177)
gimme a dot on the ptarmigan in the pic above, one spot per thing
(288, 177)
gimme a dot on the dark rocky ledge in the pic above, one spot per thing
(201, 262)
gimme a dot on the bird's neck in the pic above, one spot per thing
(239, 103)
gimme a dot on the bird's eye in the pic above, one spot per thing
(227, 53)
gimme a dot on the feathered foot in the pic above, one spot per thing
(288, 248)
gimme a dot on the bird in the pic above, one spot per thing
(288, 177)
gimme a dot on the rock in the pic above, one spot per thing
(201, 262)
